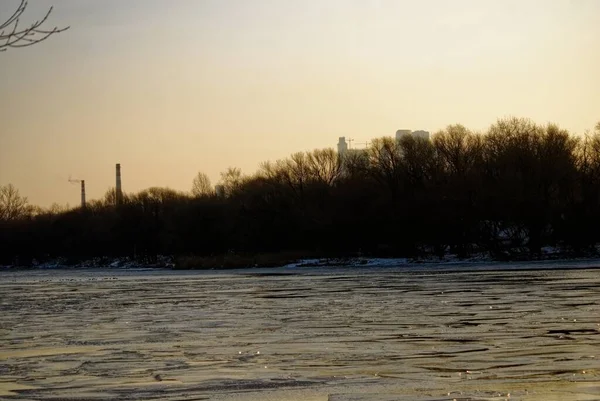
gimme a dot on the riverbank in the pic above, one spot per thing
(294, 259)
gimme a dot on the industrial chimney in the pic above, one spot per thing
(83, 194)
(118, 190)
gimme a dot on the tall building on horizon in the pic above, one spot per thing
(401, 133)
(342, 146)
(421, 134)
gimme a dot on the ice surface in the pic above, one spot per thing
(382, 334)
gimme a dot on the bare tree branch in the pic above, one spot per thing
(201, 185)
(12, 35)
(13, 206)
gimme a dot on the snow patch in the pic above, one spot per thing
(103, 262)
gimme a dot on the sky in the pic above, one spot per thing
(170, 88)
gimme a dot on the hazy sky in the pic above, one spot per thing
(170, 88)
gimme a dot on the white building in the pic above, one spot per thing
(344, 150)
(401, 133)
(342, 146)
(220, 191)
(421, 134)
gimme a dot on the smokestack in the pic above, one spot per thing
(83, 194)
(119, 192)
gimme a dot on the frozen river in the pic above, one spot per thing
(450, 333)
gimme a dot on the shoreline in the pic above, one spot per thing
(266, 261)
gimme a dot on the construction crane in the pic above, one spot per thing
(82, 182)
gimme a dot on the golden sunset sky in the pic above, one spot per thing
(170, 88)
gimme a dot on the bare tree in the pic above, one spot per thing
(13, 206)
(231, 179)
(14, 34)
(324, 165)
(201, 185)
(458, 148)
(418, 155)
(110, 198)
(385, 159)
(57, 208)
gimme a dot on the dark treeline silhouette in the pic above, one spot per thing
(509, 192)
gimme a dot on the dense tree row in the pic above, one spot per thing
(510, 191)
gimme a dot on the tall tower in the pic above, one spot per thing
(82, 194)
(118, 190)
(82, 183)
(342, 146)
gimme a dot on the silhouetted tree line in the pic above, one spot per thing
(509, 191)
